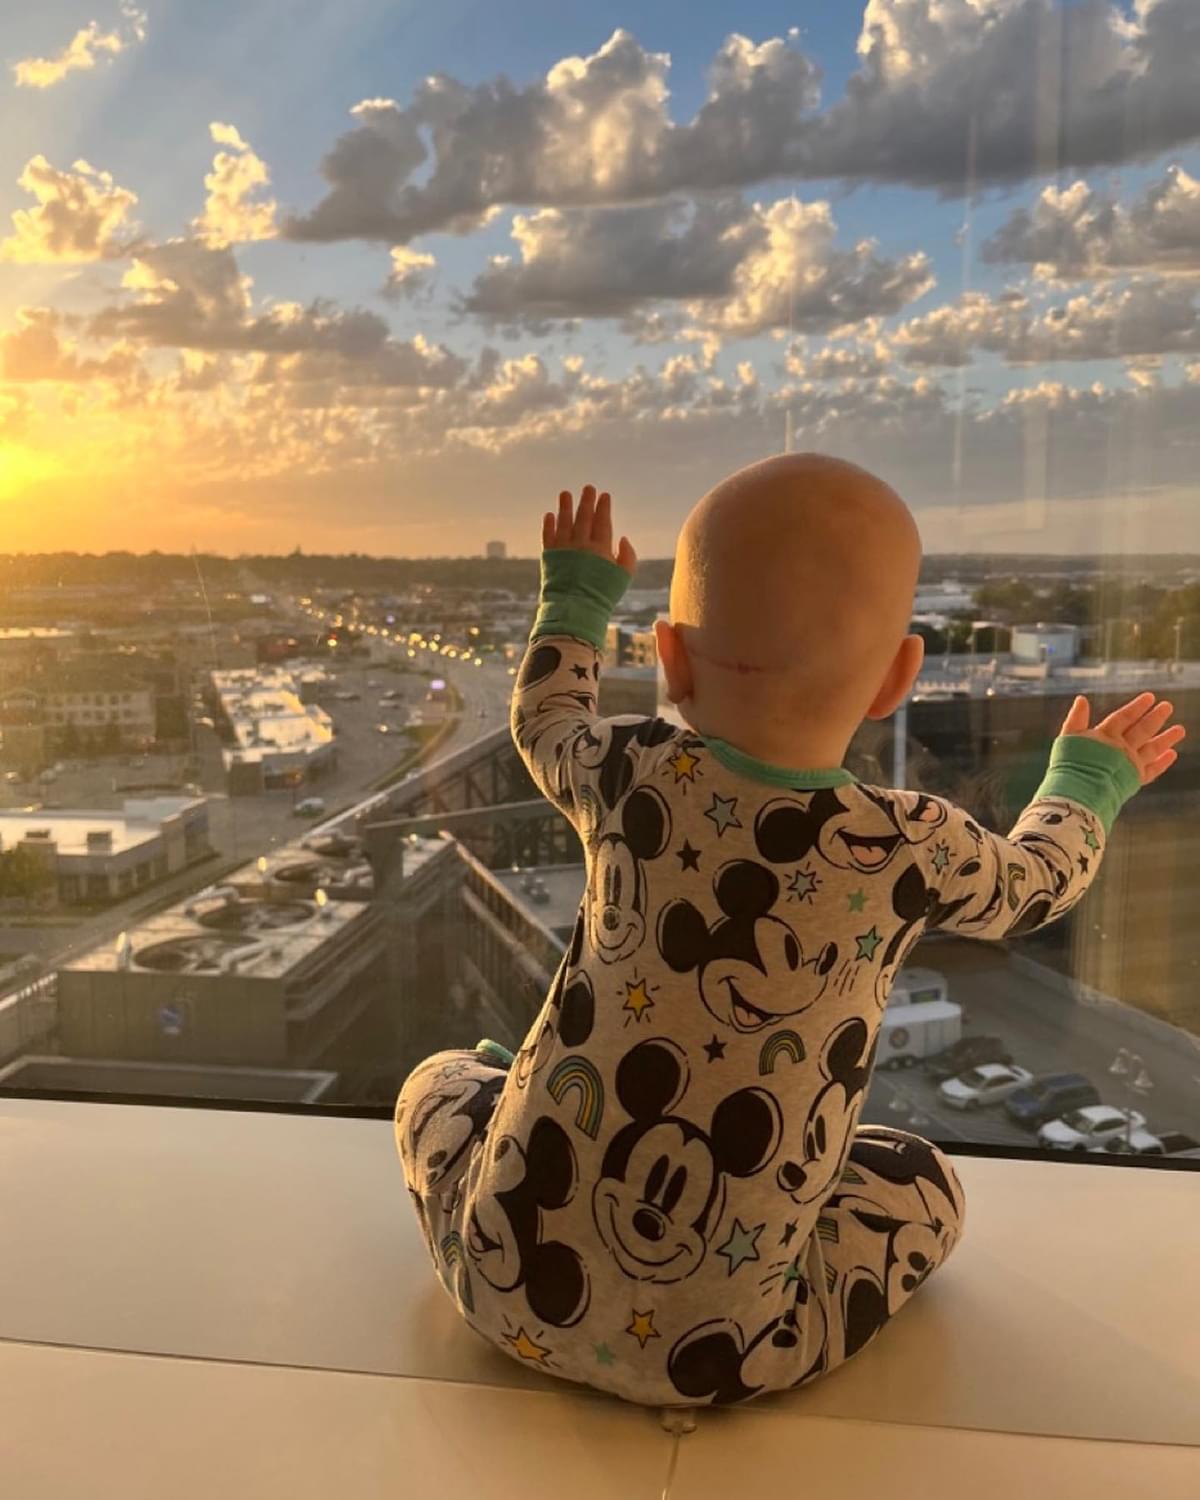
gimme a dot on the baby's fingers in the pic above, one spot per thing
(1142, 730)
(1152, 770)
(1122, 719)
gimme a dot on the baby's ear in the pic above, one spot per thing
(673, 655)
(899, 679)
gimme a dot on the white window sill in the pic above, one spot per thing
(1068, 1316)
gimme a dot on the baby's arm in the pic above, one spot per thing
(581, 762)
(992, 887)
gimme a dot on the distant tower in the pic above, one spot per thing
(495, 549)
(789, 436)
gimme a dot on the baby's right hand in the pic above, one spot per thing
(1136, 728)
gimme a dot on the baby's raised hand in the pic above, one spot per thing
(1137, 728)
(588, 529)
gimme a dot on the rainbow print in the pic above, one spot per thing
(454, 1255)
(579, 1074)
(783, 1042)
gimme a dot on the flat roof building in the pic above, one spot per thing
(274, 733)
(101, 855)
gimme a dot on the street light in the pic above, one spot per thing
(1140, 1083)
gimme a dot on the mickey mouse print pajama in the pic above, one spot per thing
(667, 1194)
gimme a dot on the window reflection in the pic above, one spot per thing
(263, 833)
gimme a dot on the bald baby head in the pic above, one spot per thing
(796, 574)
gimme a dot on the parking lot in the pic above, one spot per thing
(1046, 1032)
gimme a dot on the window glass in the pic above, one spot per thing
(287, 379)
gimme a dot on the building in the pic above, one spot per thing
(224, 978)
(627, 645)
(77, 708)
(25, 651)
(496, 549)
(273, 737)
(1055, 645)
(102, 856)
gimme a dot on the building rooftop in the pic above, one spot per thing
(33, 633)
(139, 821)
(549, 893)
(220, 932)
(264, 709)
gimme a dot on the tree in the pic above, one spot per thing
(24, 874)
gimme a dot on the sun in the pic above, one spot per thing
(21, 467)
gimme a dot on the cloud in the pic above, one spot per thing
(411, 272)
(1150, 316)
(37, 351)
(949, 94)
(1075, 233)
(185, 294)
(83, 51)
(234, 211)
(78, 215)
(732, 269)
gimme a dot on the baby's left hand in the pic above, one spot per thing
(588, 529)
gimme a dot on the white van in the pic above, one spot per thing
(309, 807)
(920, 1019)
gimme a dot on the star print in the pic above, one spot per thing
(643, 1328)
(792, 1273)
(1083, 864)
(715, 1049)
(604, 1355)
(941, 857)
(858, 899)
(803, 883)
(740, 1246)
(789, 1229)
(689, 858)
(1091, 840)
(637, 1000)
(867, 944)
(722, 813)
(525, 1346)
(580, 672)
(684, 765)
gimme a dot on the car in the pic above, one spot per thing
(391, 695)
(967, 1053)
(348, 695)
(12, 776)
(205, 723)
(987, 1084)
(1049, 1096)
(309, 807)
(1138, 1142)
(1089, 1126)
(371, 683)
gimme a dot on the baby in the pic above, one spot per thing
(667, 1193)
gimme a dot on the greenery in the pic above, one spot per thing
(24, 874)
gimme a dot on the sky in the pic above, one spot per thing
(384, 277)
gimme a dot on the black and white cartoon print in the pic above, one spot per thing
(751, 967)
(617, 900)
(661, 1190)
(508, 1227)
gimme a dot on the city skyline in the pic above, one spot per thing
(389, 280)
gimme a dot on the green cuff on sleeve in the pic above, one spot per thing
(579, 593)
(1090, 772)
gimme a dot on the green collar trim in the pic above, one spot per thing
(762, 770)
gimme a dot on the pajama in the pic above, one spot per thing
(667, 1194)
